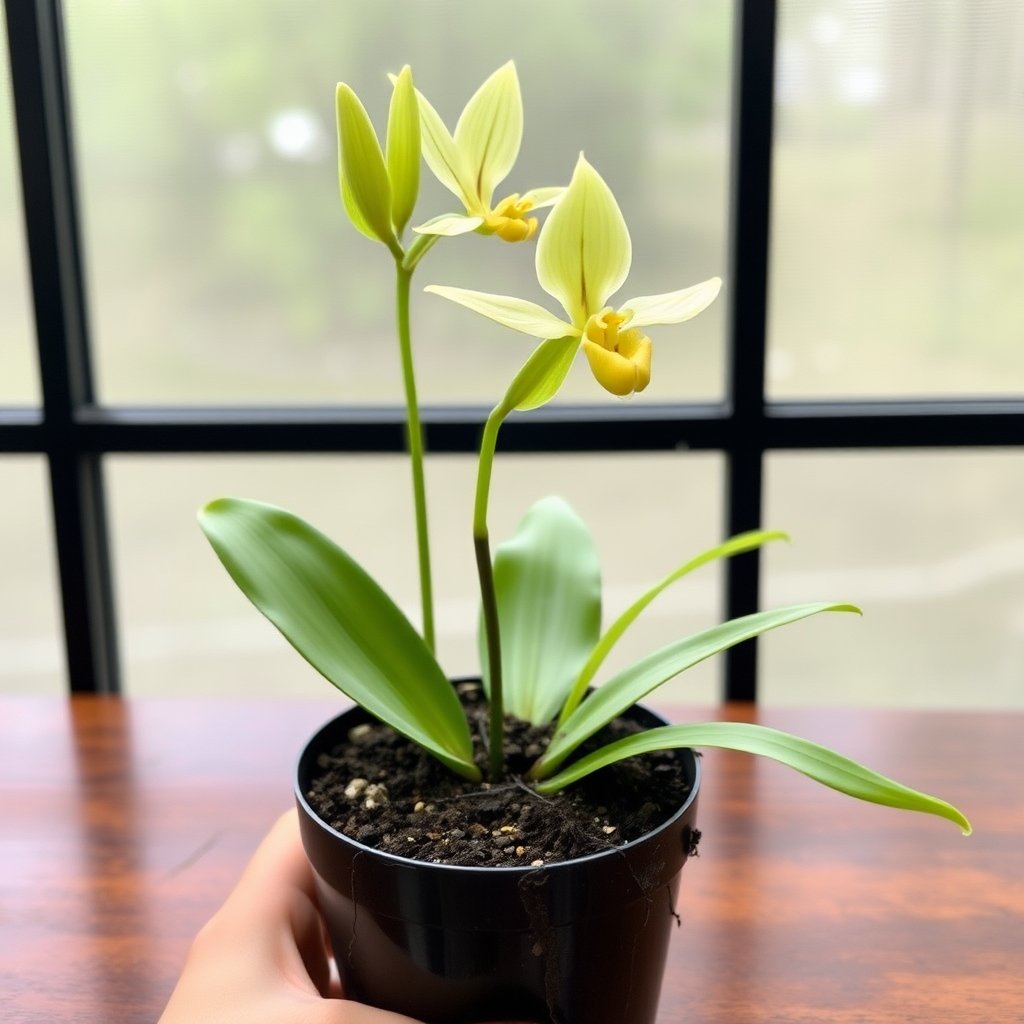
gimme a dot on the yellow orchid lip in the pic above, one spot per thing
(508, 220)
(619, 359)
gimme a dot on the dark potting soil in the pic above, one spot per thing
(388, 794)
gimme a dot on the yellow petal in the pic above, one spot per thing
(624, 371)
(584, 251)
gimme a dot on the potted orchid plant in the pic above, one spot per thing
(505, 933)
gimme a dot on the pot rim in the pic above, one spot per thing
(491, 870)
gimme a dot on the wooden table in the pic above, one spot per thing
(125, 823)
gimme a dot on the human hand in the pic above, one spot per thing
(262, 958)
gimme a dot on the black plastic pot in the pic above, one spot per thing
(577, 942)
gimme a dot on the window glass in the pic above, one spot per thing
(19, 379)
(898, 213)
(186, 628)
(31, 647)
(222, 267)
(931, 546)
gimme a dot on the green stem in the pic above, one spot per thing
(419, 248)
(488, 597)
(414, 444)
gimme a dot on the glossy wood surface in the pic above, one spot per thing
(124, 824)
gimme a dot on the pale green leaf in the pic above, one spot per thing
(540, 377)
(403, 150)
(547, 581)
(672, 307)
(362, 166)
(734, 546)
(443, 157)
(817, 762)
(584, 251)
(635, 682)
(490, 130)
(520, 315)
(449, 224)
(341, 622)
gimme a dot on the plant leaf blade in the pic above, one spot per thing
(547, 581)
(331, 611)
(811, 759)
(635, 682)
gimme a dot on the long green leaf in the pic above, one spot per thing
(734, 546)
(635, 682)
(817, 762)
(341, 622)
(547, 580)
(402, 151)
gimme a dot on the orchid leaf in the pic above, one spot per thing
(584, 251)
(635, 682)
(547, 581)
(403, 150)
(331, 611)
(734, 546)
(518, 314)
(816, 762)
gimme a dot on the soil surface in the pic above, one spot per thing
(384, 791)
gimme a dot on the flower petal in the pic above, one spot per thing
(623, 372)
(538, 198)
(520, 315)
(449, 224)
(403, 150)
(672, 307)
(362, 165)
(443, 157)
(490, 130)
(584, 252)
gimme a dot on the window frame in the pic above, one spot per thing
(74, 432)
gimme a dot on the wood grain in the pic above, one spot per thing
(124, 825)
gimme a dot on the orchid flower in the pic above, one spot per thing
(472, 162)
(583, 258)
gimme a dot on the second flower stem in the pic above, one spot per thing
(414, 443)
(488, 597)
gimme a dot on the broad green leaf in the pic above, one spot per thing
(520, 315)
(584, 252)
(403, 150)
(817, 762)
(341, 622)
(673, 307)
(734, 546)
(362, 166)
(490, 130)
(547, 581)
(443, 157)
(449, 224)
(540, 377)
(635, 682)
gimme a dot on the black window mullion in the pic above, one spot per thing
(42, 114)
(750, 202)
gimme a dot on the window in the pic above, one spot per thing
(862, 205)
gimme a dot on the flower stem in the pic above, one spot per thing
(488, 597)
(414, 445)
